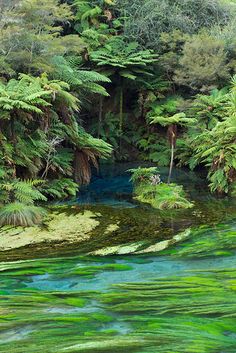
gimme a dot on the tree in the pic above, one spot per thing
(125, 61)
(167, 118)
(31, 35)
(209, 109)
(203, 64)
(146, 21)
(215, 147)
(81, 80)
(42, 112)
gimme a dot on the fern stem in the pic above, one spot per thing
(121, 108)
(171, 162)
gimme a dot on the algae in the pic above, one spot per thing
(192, 311)
(60, 226)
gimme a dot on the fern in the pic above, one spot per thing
(19, 214)
(149, 189)
(61, 188)
(87, 81)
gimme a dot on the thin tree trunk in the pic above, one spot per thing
(121, 116)
(13, 140)
(171, 162)
(121, 109)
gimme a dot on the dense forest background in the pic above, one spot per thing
(125, 80)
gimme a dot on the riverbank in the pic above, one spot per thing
(63, 226)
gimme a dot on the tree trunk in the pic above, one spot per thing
(171, 162)
(121, 116)
(172, 137)
(121, 109)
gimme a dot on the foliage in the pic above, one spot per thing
(146, 22)
(60, 188)
(166, 118)
(215, 147)
(203, 63)
(209, 109)
(124, 60)
(141, 175)
(163, 196)
(54, 139)
(31, 35)
(19, 214)
(155, 149)
(126, 71)
(81, 80)
(18, 198)
(25, 192)
(149, 189)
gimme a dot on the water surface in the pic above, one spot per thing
(180, 301)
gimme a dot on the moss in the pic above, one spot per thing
(111, 228)
(118, 250)
(60, 226)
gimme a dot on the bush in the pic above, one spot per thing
(148, 188)
(163, 196)
(203, 63)
(19, 214)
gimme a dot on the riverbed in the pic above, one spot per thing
(179, 300)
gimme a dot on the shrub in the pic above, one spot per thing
(19, 214)
(148, 188)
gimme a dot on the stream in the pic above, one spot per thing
(182, 300)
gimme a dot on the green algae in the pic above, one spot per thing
(142, 247)
(70, 226)
(90, 229)
(219, 241)
(191, 312)
(46, 304)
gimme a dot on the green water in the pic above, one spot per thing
(143, 304)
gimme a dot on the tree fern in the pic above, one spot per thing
(79, 79)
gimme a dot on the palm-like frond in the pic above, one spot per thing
(79, 79)
(176, 119)
(23, 95)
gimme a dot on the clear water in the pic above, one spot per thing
(181, 301)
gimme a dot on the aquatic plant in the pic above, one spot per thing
(45, 304)
(203, 242)
(148, 188)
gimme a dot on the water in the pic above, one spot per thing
(180, 301)
(118, 304)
